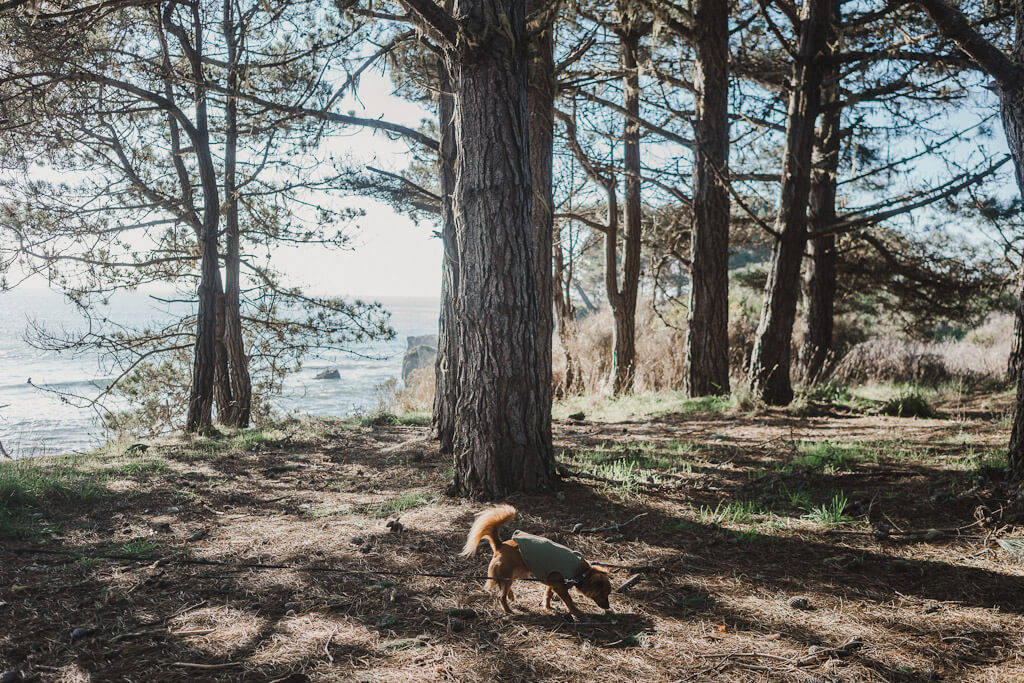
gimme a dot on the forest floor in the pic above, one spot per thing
(767, 546)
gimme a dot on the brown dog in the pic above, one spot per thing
(526, 555)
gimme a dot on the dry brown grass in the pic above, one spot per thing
(728, 546)
(660, 352)
(980, 357)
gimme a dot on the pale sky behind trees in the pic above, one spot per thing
(392, 255)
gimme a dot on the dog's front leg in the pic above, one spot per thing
(563, 592)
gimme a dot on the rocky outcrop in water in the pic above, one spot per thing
(420, 353)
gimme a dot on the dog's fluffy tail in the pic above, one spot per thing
(486, 525)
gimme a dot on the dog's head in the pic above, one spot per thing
(596, 586)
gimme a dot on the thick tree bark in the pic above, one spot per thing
(443, 422)
(540, 103)
(221, 375)
(819, 287)
(707, 337)
(502, 437)
(770, 358)
(623, 301)
(1012, 107)
(238, 413)
(200, 404)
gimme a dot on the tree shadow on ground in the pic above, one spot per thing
(283, 622)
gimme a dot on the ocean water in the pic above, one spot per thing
(34, 420)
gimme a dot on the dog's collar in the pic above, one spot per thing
(582, 577)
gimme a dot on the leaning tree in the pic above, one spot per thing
(1005, 65)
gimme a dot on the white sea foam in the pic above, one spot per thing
(34, 421)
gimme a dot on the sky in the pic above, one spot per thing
(392, 256)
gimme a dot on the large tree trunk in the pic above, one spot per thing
(770, 358)
(540, 103)
(447, 352)
(623, 302)
(820, 279)
(502, 437)
(707, 337)
(1012, 106)
(200, 404)
(239, 380)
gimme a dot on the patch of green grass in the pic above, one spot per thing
(25, 483)
(735, 512)
(141, 468)
(396, 506)
(982, 460)
(386, 419)
(252, 439)
(831, 512)
(201, 449)
(638, 406)
(138, 547)
(19, 524)
(831, 456)
(800, 499)
(626, 473)
(650, 455)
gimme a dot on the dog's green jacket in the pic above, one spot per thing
(544, 557)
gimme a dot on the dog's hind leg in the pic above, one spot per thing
(506, 591)
(545, 601)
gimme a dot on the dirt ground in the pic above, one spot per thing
(763, 547)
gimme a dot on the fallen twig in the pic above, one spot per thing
(614, 526)
(191, 665)
(185, 609)
(327, 646)
(629, 583)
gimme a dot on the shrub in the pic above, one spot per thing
(660, 351)
(980, 356)
(910, 403)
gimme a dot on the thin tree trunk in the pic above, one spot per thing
(770, 358)
(221, 375)
(1014, 362)
(240, 382)
(819, 286)
(623, 302)
(443, 422)
(565, 319)
(502, 437)
(540, 103)
(707, 337)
